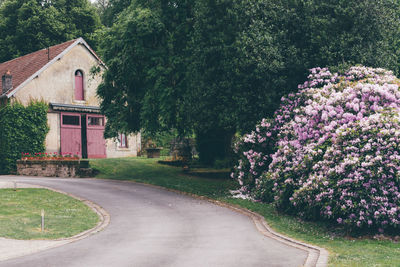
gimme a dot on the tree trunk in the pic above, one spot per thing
(214, 144)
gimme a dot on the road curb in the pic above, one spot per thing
(104, 217)
(317, 256)
(104, 220)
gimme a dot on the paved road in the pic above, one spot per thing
(153, 227)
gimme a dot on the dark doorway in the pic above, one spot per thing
(84, 137)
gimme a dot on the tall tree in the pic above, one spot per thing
(212, 76)
(219, 66)
(30, 25)
(101, 7)
(247, 54)
(146, 53)
(333, 32)
(111, 9)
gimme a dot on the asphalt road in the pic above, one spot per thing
(154, 227)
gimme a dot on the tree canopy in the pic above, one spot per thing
(146, 52)
(216, 67)
(30, 25)
(110, 9)
(208, 67)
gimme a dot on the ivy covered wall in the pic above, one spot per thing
(22, 129)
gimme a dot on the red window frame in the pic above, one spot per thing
(70, 125)
(122, 137)
(95, 126)
(79, 85)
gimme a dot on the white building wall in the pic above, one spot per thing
(53, 137)
(56, 85)
(133, 149)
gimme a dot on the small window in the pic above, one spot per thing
(70, 120)
(122, 140)
(79, 85)
(95, 121)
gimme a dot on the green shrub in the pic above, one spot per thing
(223, 163)
(22, 130)
(213, 144)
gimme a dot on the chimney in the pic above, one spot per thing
(6, 81)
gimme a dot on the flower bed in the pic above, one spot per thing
(331, 151)
(48, 156)
(53, 165)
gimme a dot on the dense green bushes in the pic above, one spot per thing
(22, 129)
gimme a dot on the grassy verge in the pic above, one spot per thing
(20, 214)
(148, 171)
(343, 251)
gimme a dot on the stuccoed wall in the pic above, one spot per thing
(133, 149)
(53, 137)
(56, 83)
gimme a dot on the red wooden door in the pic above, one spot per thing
(71, 141)
(96, 144)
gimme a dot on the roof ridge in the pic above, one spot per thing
(73, 40)
(25, 68)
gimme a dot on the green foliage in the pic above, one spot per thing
(247, 54)
(132, 45)
(213, 144)
(110, 9)
(352, 32)
(160, 139)
(29, 25)
(221, 66)
(236, 71)
(145, 51)
(223, 164)
(22, 129)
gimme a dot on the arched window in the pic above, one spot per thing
(79, 85)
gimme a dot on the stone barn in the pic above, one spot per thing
(61, 75)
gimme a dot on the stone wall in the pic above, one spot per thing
(49, 168)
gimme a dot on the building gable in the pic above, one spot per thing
(26, 68)
(61, 76)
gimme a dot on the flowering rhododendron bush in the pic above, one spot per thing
(332, 151)
(254, 151)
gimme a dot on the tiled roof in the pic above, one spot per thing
(24, 67)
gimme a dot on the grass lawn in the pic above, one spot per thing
(149, 171)
(20, 214)
(343, 251)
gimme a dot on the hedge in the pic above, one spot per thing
(22, 129)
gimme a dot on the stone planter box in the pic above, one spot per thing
(53, 168)
(153, 152)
